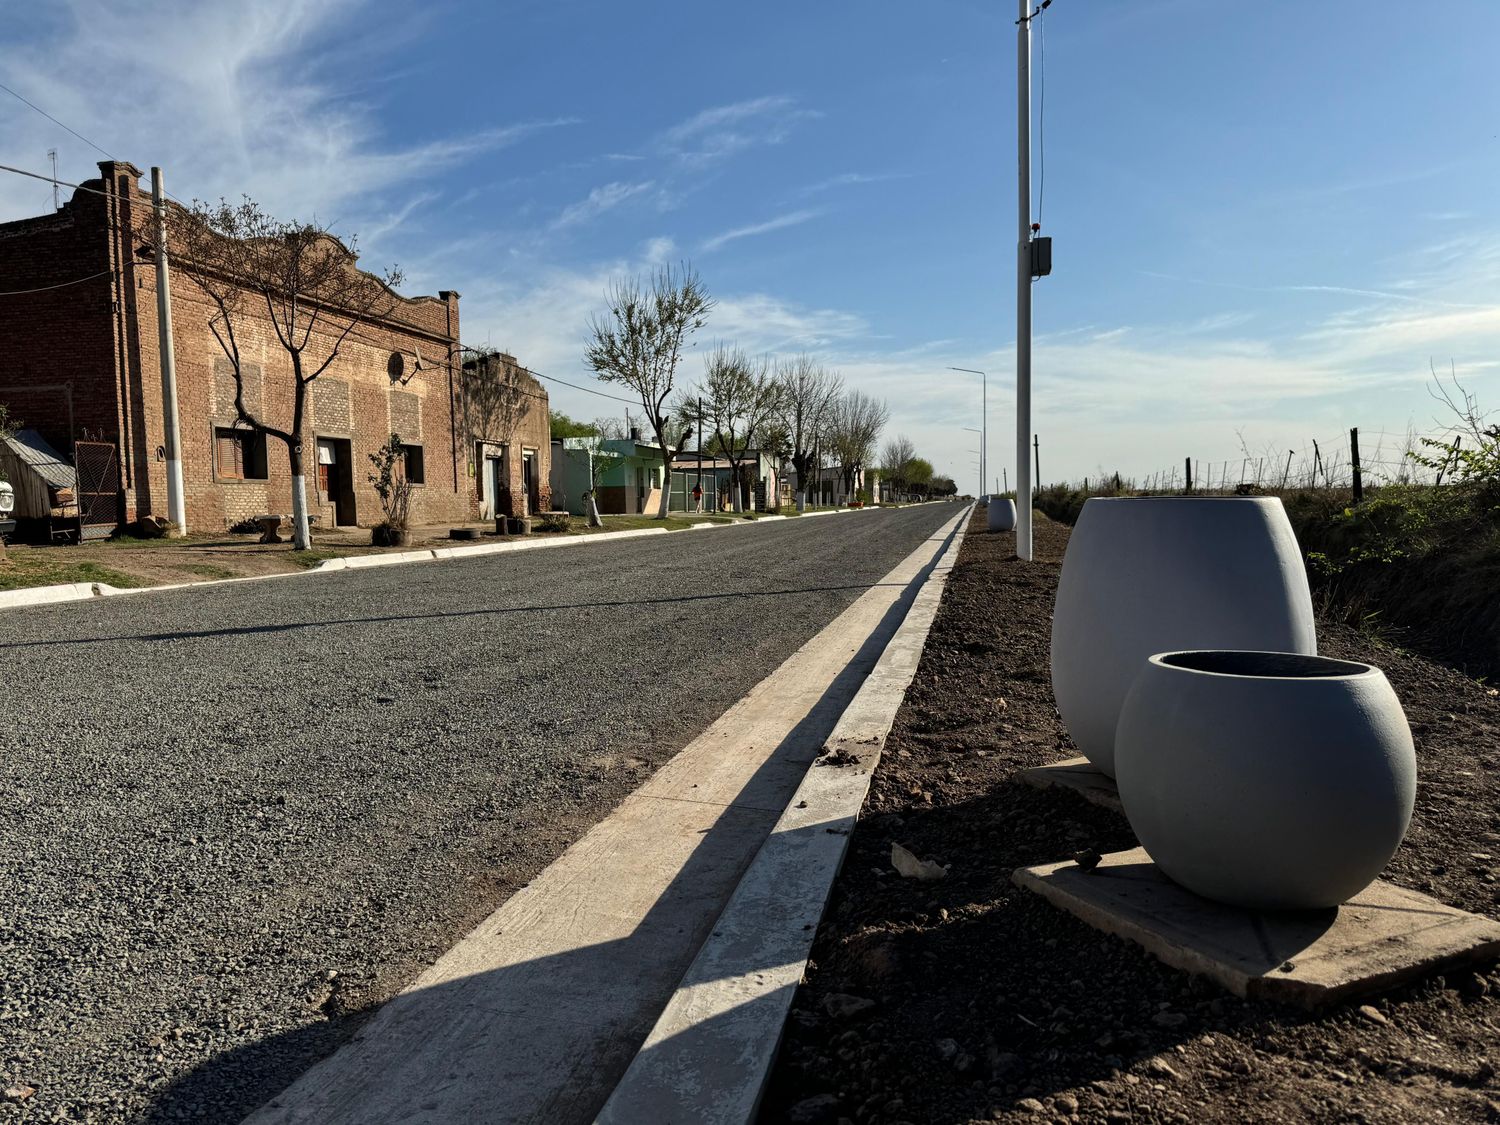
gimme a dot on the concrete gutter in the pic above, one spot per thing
(707, 1059)
(537, 1012)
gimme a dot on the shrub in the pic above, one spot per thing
(554, 521)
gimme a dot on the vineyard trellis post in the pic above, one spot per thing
(1359, 485)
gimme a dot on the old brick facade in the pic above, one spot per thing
(79, 360)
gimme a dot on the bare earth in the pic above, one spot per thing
(991, 1005)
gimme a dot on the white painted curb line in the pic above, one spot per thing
(707, 1059)
(47, 595)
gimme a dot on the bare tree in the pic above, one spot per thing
(640, 343)
(496, 398)
(854, 426)
(896, 461)
(297, 276)
(738, 398)
(808, 394)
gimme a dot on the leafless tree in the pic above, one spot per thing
(639, 345)
(739, 396)
(297, 276)
(808, 393)
(896, 461)
(854, 426)
(497, 395)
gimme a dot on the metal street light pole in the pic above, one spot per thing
(1023, 281)
(984, 420)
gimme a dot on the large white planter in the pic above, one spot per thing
(1144, 575)
(1266, 780)
(1002, 515)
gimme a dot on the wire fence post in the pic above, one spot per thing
(1187, 469)
(1359, 485)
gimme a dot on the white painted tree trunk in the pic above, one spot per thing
(594, 519)
(301, 532)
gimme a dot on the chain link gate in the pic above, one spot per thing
(98, 489)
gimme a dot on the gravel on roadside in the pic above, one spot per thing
(239, 817)
(969, 999)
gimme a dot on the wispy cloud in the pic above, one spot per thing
(722, 131)
(781, 222)
(851, 179)
(598, 201)
(232, 99)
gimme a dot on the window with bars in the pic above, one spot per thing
(239, 455)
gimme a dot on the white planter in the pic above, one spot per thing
(1002, 515)
(1144, 575)
(1266, 780)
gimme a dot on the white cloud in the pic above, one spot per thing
(850, 179)
(781, 222)
(722, 131)
(598, 201)
(230, 99)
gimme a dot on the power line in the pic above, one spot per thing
(59, 285)
(55, 121)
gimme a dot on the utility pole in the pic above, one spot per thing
(56, 199)
(1036, 442)
(172, 439)
(1023, 281)
(701, 496)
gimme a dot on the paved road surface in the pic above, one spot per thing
(240, 816)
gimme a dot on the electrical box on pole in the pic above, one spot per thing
(1041, 257)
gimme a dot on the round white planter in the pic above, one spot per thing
(1153, 574)
(1002, 515)
(1266, 780)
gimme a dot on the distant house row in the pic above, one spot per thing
(630, 478)
(80, 370)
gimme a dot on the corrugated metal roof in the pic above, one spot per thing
(32, 449)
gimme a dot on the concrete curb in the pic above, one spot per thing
(48, 595)
(709, 1056)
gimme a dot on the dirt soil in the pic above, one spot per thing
(991, 1005)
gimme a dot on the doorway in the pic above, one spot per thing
(335, 480)
(494, 483)
(529, 482)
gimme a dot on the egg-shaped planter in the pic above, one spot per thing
(1002, 515)
(1266, 780)
(1153, 574)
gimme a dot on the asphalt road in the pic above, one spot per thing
(238, 817)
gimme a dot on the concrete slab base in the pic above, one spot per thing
(1386, 936)
(1078, 775)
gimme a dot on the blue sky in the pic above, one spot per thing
(1268, 217)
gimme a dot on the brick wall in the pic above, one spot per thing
(92, 349)
(57, 353)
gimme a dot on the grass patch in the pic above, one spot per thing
(207, 570)
(19, 572)
(311, 558)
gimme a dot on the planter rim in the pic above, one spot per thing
(1250, 664)
(1176, 499)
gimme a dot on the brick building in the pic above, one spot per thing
(79, 361)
